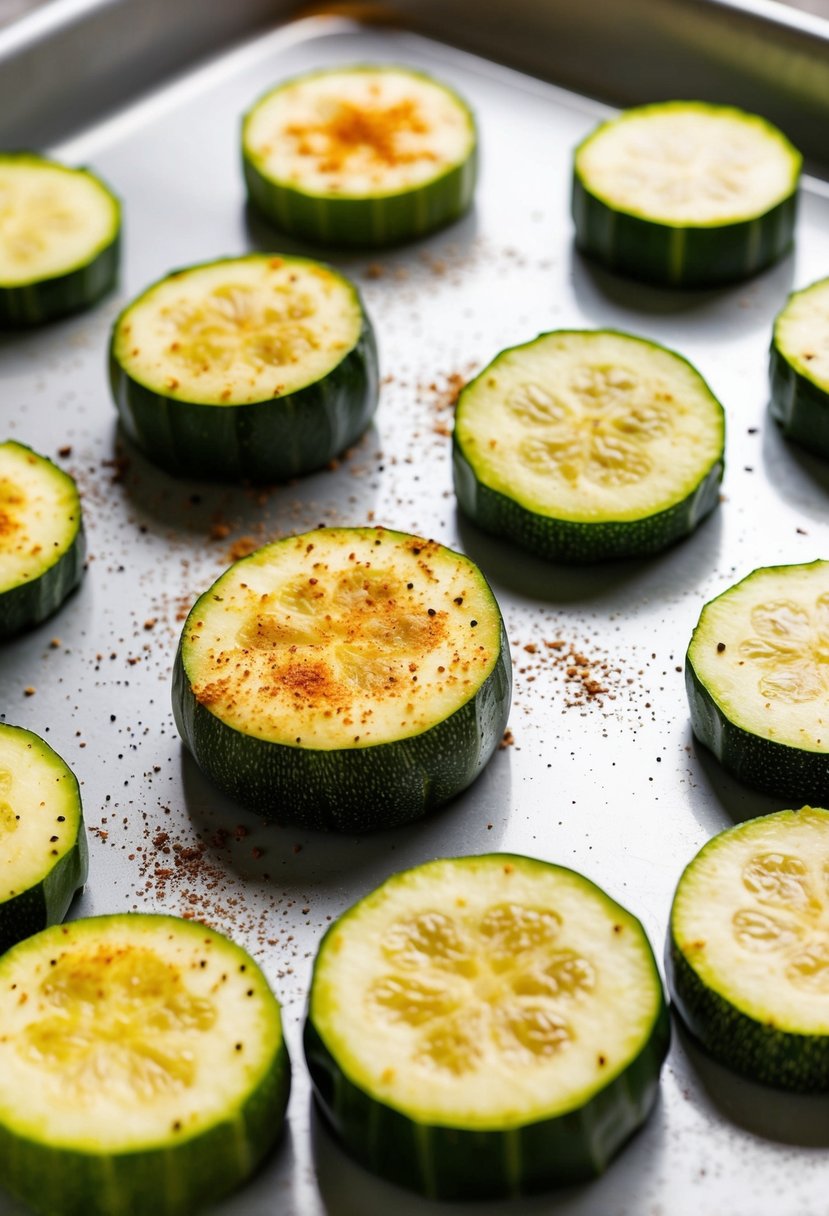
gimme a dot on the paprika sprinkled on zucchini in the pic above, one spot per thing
(685, 194)
(367, 155)
(485, 1027)
(42, 543)
(346, 678)
(261, 368)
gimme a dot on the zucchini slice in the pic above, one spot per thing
(43, 850)
(685, 194)
(42, 542)
(748, 951)
(260, 367)
(347, 678)
(142, 1067)
(367, 155)
(59, 239)
(588, 444)
(757, 680)
(486, 1026)
(799, 368)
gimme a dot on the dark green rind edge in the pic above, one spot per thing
(574, 542)
(29, 603)
(47, 902)
(265, 441)
(763, 764)
(757, 1050)
(35, 303)
(160, 1181)
(444, 1162)
(368, 223)
(798, 404)
(671, 256)
(349, 789)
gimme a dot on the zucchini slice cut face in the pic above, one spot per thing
(486, 1026)
(59, 239)
(347, 678)
(748, 949)
(42, 543)
(588, 444)
(799, 368)
(261, 367)
(365, 155)
(685, 194)
(43, 849)
(757, 682)
(142, 1067)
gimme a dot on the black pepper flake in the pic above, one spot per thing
(432, 612)
(473, 623)
(720, 647)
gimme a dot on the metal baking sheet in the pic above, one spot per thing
(608, 782)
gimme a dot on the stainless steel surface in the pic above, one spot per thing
(612, 785)
(72, 60)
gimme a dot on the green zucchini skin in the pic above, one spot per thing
(797, 403)
(265, 441)
(29, 604)
(167, 1179)
(452, 1163)
(763, 764)
(367, 223)
(574, 542)
(372, 221)
(157, 1182)
(693, 257)
(47, 902)
(25, 305)
(349, 789)
(778, 1058)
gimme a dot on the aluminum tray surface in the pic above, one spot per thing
(611, 784)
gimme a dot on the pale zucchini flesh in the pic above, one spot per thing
(490, 997)
(330, 651)
(41, 537)
(59, 233)
(685, 193)
(143, 1066)
(799, 367)
(360, 155)
(261, 367)
(43, 850)
(749, 948)
(588, 430)
(756, 679)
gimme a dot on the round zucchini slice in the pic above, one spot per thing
(367, 155)
(42, 543)
(685, 194)
(486, 1026)
(254, 368)
(748, 950)
(799, 368)
(142, 1067)
(347, 678)
(588, 444)
(59, 239)
(756, 677)
(43, 850)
